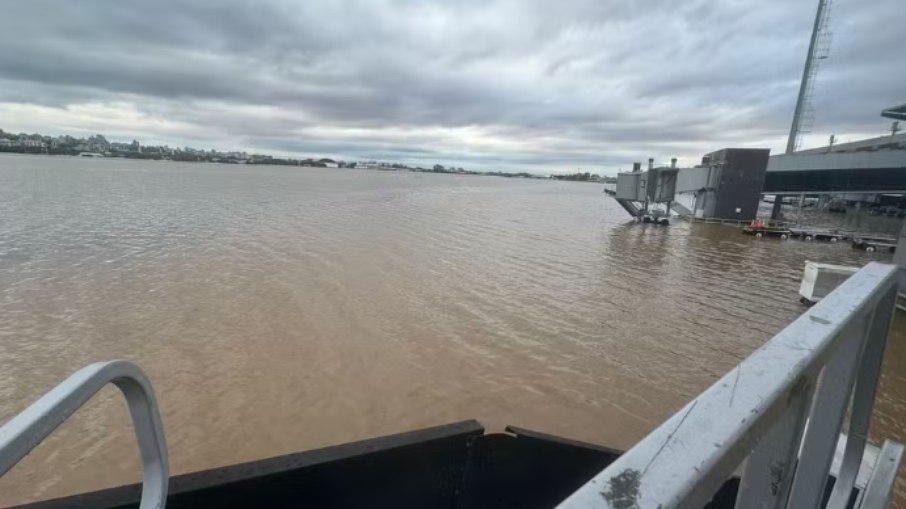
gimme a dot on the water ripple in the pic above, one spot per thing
(279, 309)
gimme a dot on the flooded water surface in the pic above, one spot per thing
(278, 309)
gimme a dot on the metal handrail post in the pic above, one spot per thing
(832, 396)
(768, 475)
(863, 401)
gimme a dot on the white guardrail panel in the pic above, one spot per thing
(25, 431)
(781, 408)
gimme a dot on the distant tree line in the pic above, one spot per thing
(320, 163)
(580, 177)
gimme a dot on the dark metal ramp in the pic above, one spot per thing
(629, 206)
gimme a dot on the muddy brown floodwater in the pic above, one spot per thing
(278, 309)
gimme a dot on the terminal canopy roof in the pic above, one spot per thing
(896, 113)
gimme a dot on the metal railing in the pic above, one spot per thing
(28, 429)
(780, 411)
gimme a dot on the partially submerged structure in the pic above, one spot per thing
(726, 185)
(647, 195)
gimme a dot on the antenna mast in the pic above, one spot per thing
(818, 49)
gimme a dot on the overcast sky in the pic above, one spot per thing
(536, 84)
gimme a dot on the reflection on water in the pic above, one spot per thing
(280, 309)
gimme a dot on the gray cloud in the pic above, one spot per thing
(502, 83)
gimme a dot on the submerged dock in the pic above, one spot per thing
(866, 241)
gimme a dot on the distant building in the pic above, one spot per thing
(32, 144)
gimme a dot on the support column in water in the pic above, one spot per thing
(775, 209)
(899, 257)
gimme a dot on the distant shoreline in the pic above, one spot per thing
(305, 163)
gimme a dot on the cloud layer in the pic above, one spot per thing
(533, 84)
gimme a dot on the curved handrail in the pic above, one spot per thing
(28, 429)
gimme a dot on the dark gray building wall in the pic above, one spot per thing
(742, 174)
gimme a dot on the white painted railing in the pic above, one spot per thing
(779, 413)
(25, 431)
